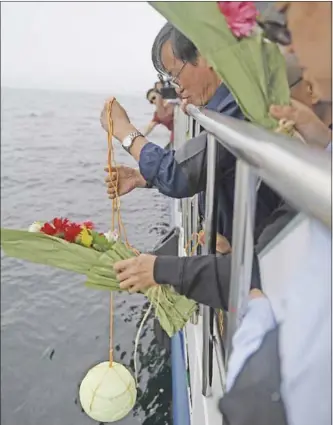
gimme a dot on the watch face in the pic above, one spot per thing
(127, 142)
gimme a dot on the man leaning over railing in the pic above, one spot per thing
(183, 173)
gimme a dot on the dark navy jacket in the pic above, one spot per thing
(182, 173)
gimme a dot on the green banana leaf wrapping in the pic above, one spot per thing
(252, 68)
(172, 310)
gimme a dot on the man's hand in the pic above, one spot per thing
(310, 127)
(122, 126)
(136, 274)
(222, 244)
(128, 179)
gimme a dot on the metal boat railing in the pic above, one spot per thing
(300, 174)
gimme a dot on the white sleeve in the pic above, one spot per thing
(257, 321)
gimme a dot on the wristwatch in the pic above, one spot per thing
(129, 140)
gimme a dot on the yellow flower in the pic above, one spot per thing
(85, 237)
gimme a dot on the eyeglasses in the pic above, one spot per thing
(152, 99)
(175, 80)
(296, 82)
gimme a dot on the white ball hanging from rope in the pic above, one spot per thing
(108, 394)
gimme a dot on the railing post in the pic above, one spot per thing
(195, 225)
(190, 229)
(209, 248)
(195, 215)
(181, 127)
(189, 226)
(195, 201)
(242, 247)
(195, 130)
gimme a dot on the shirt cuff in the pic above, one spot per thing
(151, 156)
(168, 270)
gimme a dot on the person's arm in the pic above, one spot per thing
(206, 278)
(257, 386)
(181, 173)
(203, 278)
(175, 177)
(149, 128)
(257, 321)
(177, 174)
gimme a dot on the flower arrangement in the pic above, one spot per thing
(83, 234)
(78, 247)
(241, 16)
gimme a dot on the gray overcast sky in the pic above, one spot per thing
(78, 46)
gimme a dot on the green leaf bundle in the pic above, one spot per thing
(172, 310)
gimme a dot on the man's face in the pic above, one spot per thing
(152, 97)
(197, 83)
(311, 31)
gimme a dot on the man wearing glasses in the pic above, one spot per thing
(182, 173)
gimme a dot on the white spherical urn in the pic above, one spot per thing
(108, 394)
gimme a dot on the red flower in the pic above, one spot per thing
(48, 229)
(60, 224)
(56, 227)
(72, 231)
(240, 16)
(89, 225)
(63, 228)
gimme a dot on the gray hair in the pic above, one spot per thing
(182, 47)
(269, 12)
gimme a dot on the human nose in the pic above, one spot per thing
(179, 90)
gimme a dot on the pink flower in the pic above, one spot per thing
(240, 16)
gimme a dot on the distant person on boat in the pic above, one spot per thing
(163, 113)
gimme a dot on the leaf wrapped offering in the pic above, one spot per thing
(79, 248)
